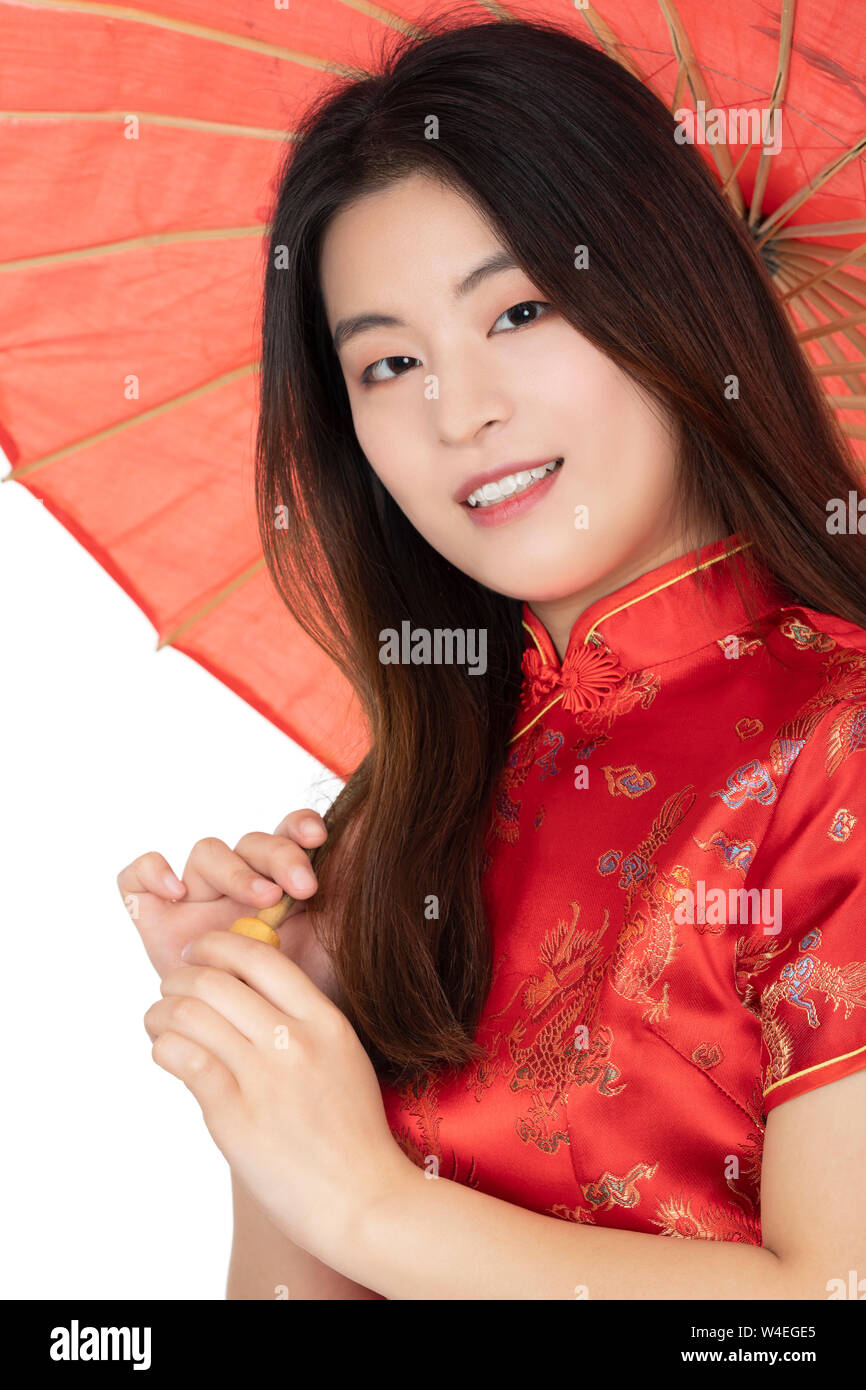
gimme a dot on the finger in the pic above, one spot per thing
(150, 873)
(204, 1075)
(215, 871)
(280, 859)
(271, 974)
(194, 1019)
(254, 1017)
(305, 826)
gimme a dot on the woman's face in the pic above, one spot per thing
(492, 379)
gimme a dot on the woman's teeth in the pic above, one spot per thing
(512, 483)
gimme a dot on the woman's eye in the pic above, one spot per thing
(369, 377)
(524, 305)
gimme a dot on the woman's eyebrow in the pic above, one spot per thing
(362, 323)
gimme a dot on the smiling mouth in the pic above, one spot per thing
(510, 486)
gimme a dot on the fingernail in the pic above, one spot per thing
(312, 827)
(261, 885)
(303, 878)
(173, 884)
(186, 950)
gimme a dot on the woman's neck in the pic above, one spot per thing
(560, 615)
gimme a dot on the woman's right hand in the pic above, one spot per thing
(221, 884)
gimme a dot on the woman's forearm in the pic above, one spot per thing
(265, 1264)
(439, 1239)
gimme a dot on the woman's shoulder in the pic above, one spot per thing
(811, 630)
(809, 756)
(822, 663)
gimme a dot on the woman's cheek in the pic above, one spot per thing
(385, 434)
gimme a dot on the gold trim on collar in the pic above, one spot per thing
(685, 574)
(535, 720)
(705, 565)
(525, 624)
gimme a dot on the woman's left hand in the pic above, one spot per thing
(287, 1091)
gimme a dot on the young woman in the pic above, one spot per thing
(544, 470)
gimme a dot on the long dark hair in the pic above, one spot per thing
(677, 295)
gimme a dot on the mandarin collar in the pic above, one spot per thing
(667, 613)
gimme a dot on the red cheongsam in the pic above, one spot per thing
(641, 1023)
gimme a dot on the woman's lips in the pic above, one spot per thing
(497, 513)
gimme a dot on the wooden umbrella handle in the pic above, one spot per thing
(262, 926)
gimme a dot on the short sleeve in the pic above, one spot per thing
(808, 980)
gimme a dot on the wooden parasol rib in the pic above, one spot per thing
(839, 364)
(829, 271)
(685, 55)
(223, 36)
(251, 132)
(786, 38)
(183, 399)
(210, 604)
(796, 200)
(612, 45)
(135, 243)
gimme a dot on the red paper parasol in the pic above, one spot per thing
(138, 150)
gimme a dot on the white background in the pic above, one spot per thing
(112, 1185)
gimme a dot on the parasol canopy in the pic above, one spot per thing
(138, 150)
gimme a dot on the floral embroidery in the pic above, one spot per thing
(711, 1223)
(554, 740)
(611, 1190)
(578, 1214)
(734, 854)
(806, 637)
(843, 823)
(506, 809)
(583, 751)
(747, 728)
(608, 862)
(751, 782)
(628, 781)
(746, 644)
